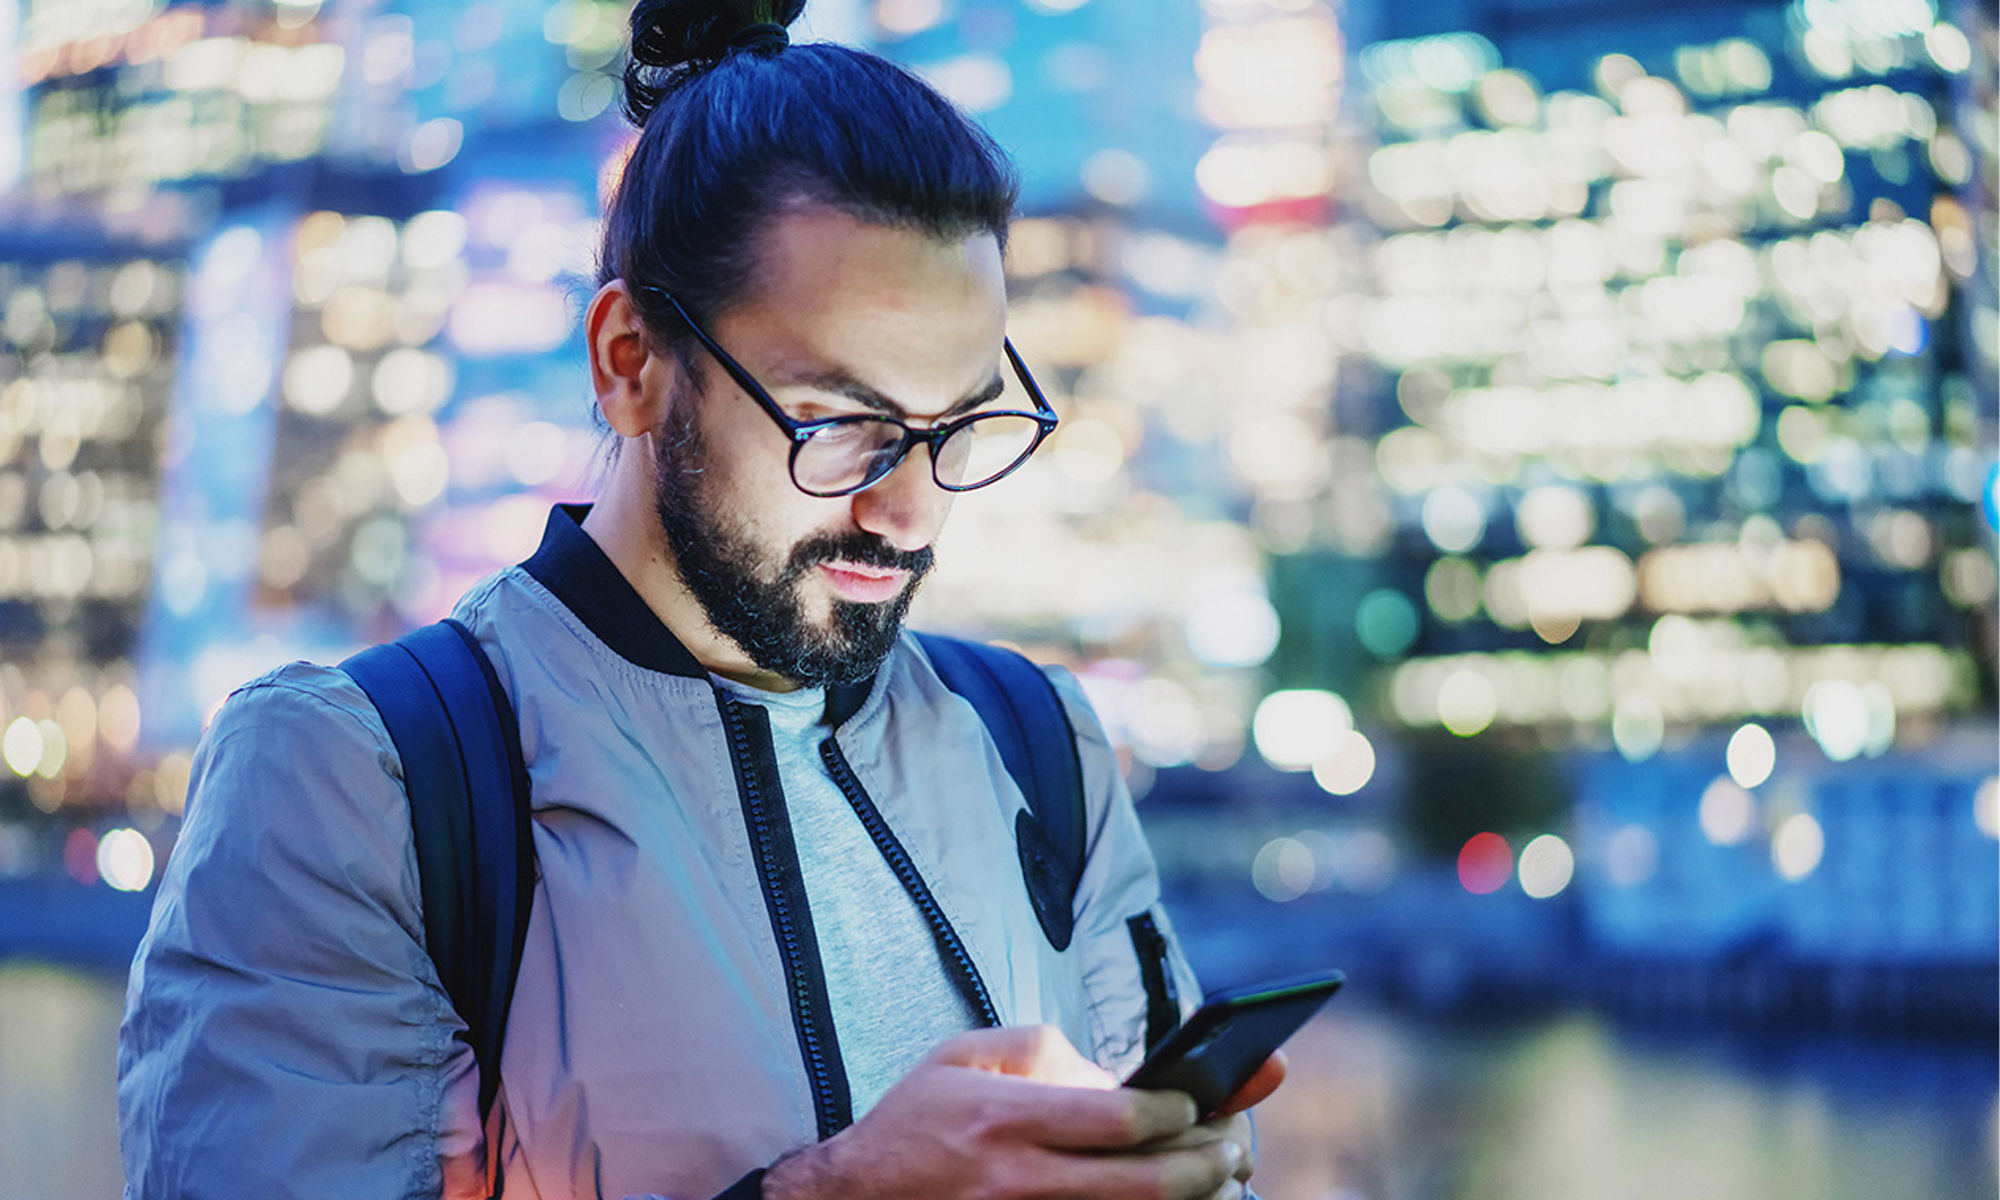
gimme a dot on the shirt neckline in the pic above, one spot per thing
(577, 572)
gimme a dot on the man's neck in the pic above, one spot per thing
(626, 527)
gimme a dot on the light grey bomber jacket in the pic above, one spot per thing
(286, 1034)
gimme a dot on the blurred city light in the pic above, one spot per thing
(125, 860)
(1728, 812)
(1797, 846)
(1283, 870)
(1466, 703)
(1485, 863)
(1751, 756)
(1347, 767)
(1546, 866)
(1386, 622)
(1294, 729)
(22, 746)
(1836, 714)
(1233, 629)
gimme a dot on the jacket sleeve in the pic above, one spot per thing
(1136, 981)
(285, 1034)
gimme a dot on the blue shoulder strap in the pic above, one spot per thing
(460, 746)
(1028, 723)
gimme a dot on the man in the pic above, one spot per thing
(780, 941)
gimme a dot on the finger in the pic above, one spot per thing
(1038, 1052)
(1192, 1174)
(1262, 1084)
(1195, 1174)
(1234, 1128)
(1071, 1118)
(1237, 1129)
(1206, 1133)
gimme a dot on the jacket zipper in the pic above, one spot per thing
(1156, 971)
(817, 1044)
(958, 963)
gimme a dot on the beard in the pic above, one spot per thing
(755, 601)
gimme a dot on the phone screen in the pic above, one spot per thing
(1216, 1051)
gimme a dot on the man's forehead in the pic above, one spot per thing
(807, 251)
(890, 317)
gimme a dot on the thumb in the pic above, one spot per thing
(1262, 1084)
(1037, 1052)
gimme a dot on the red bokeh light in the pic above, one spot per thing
(1484, 863)
(80, 856)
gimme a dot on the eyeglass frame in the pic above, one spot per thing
(801, 432)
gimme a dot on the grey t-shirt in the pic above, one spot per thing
(891, 999)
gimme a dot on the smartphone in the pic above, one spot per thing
(1215, 1052)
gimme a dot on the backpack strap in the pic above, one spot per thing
(1028, 723)
(460, 746)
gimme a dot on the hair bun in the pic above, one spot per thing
(675, 39)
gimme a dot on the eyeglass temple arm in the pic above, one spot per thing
(1028, 380)
(734, 369)
(757, 392)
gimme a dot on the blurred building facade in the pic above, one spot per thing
(1533, 461)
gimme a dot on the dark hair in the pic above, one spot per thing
(736, 126)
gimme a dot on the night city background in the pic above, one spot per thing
(1525, 505)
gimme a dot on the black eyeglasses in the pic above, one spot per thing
(838, 456)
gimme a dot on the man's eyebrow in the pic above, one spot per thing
(837, 382)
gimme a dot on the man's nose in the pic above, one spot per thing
(906, 507)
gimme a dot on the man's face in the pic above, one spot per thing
(844, 317)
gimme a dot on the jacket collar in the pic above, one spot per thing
(577, 572)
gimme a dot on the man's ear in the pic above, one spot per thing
(631, 378)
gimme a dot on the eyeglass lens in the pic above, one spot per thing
(852, 454)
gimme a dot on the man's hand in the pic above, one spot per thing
(1230, 1124)
(1232, 1130)
(1017, 1114)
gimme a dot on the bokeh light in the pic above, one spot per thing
(1236, 628)
(1283, 870)
(1454, 519)
(1296, 728)
(1752, 755)
(22, 746)
(1728, 812)
(1547, 864)
(1348, 766)
(1849, 719)
(1386, 622)
(125, 859)
(1466, 702)
(1485, 863)
(79, 856)
(1797, 846)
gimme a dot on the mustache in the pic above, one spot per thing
(857, 547)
